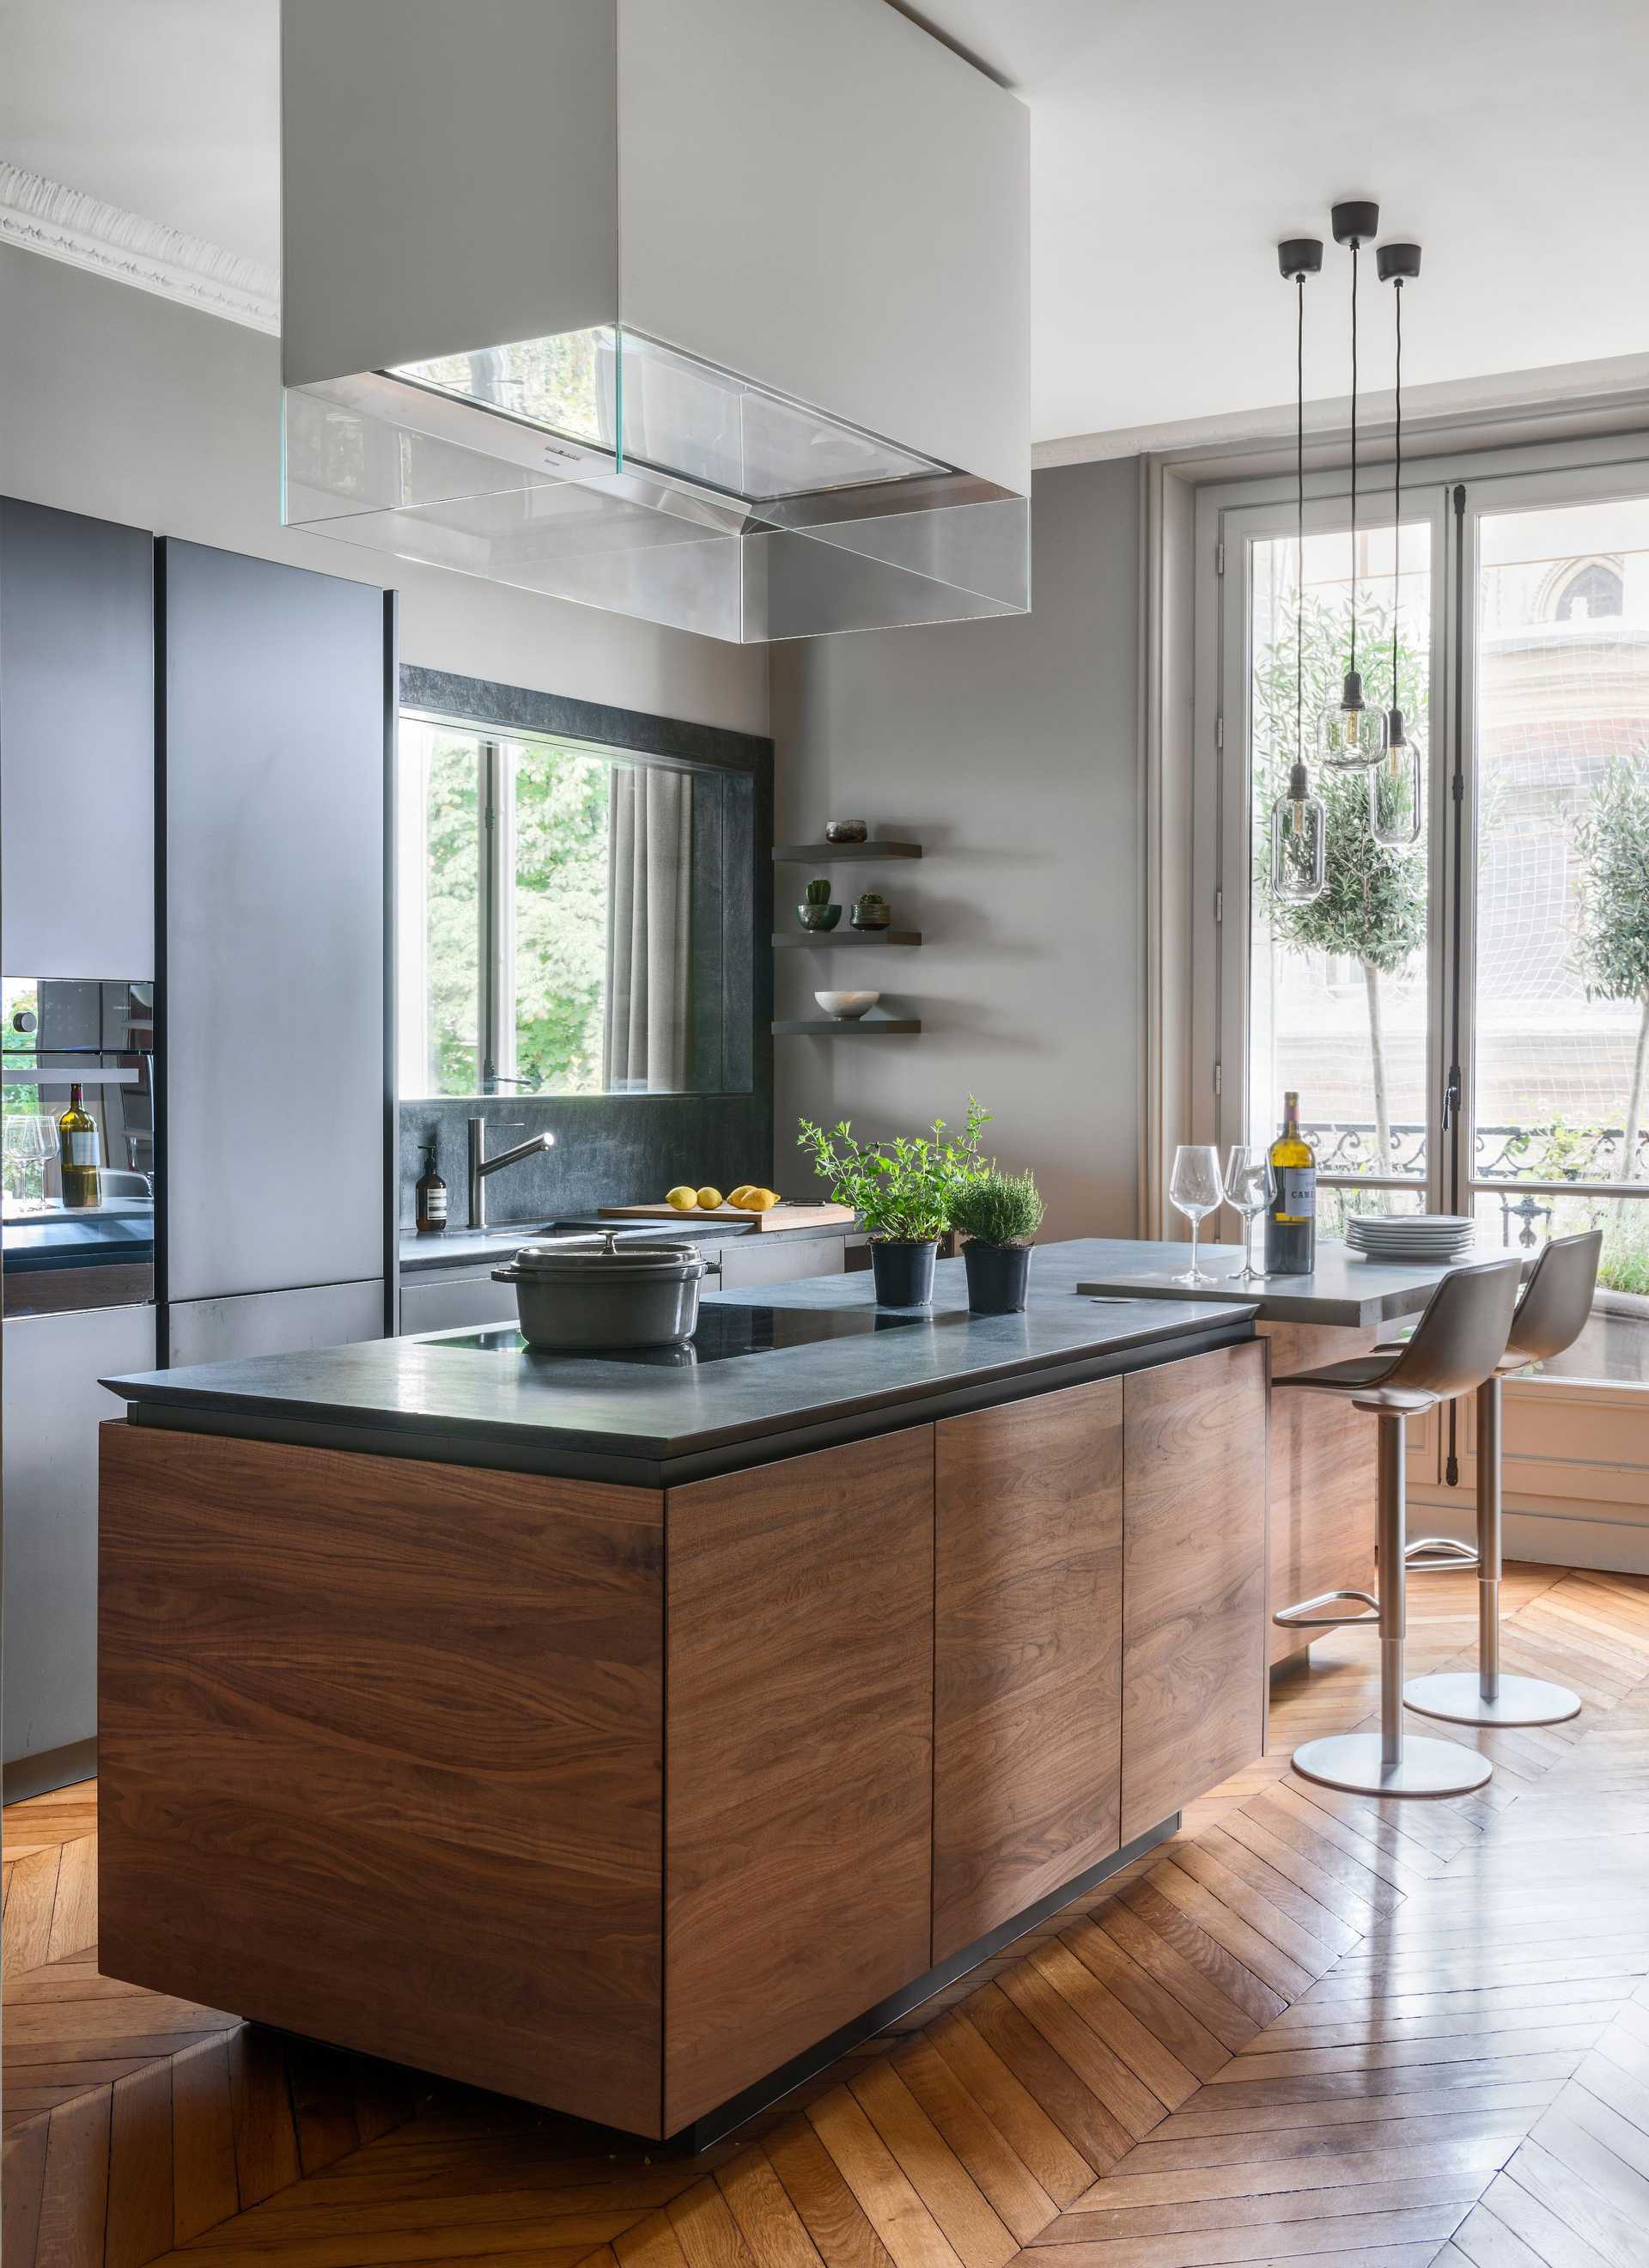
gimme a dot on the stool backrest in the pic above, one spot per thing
(1552, 1313)
(1461, 1336)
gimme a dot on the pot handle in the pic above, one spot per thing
(509, 1274)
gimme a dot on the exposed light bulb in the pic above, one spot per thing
(1351, 735)
(1299, 863)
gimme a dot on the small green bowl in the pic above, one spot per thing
(818, 916)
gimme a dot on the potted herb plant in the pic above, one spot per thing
(903, 1191)
(999, 1214)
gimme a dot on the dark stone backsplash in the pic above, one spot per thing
(610, 1149)
(629, 1149)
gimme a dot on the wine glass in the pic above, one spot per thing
(31, 1139)
(1194, 1189)
(1250, 1185)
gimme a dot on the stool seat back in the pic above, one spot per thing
(1552, 1313)
(1462, 1334)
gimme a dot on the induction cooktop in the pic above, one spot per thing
(722, 1333)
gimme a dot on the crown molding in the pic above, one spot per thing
(63, 224)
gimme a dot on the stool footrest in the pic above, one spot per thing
(1440, 1555)
(1306, 1616)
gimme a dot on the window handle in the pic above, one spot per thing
(1451, 1097)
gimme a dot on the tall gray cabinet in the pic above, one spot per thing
(273, 1079)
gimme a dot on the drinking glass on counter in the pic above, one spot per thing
(30, 1141)
(1250, 1185)
(1194, 1189)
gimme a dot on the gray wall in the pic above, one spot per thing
(1011, 751)
(128, 407)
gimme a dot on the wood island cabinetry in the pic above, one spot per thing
(625, 1799)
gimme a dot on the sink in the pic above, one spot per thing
(591, 1223)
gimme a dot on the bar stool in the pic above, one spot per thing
(1550, 1316)
(1456, 1344)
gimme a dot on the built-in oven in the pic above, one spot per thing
(77, 1122)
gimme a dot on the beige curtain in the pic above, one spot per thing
(649, 939)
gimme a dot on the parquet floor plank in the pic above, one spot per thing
(1309, 2027)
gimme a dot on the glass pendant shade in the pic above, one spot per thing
(1394, 806)
(1300, 843)
(1351, 735)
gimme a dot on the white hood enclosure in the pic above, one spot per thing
(710, 311)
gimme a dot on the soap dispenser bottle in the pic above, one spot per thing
(429, 1197)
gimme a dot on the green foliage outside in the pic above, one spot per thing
(906, 1189)
(999, 1209)
(1611, 941)
(562, 798)
(560, 913)
(452, 915)
(1374, 908)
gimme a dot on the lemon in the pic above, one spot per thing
(737, 1197)
(761, 1200)
(708, 1199)
(682, 1197)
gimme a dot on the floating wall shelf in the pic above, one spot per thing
(818, 936)
(820, 854)
(847, 1027)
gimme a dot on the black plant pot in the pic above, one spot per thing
(904, 1273)
(997, 1278)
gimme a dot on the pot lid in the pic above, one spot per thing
(574, 1258)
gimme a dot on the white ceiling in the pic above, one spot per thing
(1173, 142)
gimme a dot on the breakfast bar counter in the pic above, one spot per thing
(631, 1735)
(1323, 1455)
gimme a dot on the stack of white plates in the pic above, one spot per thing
(1439, 1237)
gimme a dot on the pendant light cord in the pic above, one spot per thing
(1300, 517)
(1354, 253)
(1396, 509)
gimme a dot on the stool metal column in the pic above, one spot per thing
(1457, 1343)
(1549, 1318)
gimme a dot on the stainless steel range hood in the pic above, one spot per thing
(710, 311)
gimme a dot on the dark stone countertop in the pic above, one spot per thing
(434, 1397)
(1342, 1288)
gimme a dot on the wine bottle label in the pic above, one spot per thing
(1296, 1194)
(80, 1149)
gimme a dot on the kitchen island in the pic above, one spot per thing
(628, 1734)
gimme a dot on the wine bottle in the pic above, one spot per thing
(429, 1197)
(1290, 1224)
(77, 1153)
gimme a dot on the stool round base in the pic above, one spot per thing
(1453, 1695)
(1352, 1761)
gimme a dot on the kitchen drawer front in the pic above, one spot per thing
(748, 1260)
(1193, 1579)
(798, 1723)
(444, 1303)
(1028, 1654)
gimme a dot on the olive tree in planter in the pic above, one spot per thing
(903, 1191)
(999, 1214)
(1611, 944)
(1372, 908)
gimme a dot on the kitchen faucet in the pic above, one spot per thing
(480, 1165)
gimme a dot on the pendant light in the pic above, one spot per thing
(1300, 826)
(1352, 735)
(1395, 786)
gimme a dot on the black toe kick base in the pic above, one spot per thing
(715, 2124)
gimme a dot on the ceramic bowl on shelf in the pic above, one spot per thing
(846, 1008)
(847, 831)
(818, 916)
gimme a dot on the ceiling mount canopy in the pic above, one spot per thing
(715, 316)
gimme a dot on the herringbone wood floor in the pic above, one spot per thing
(1310, 2030)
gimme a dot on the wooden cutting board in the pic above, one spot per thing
(782, 1216)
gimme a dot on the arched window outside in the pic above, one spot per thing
(1594, 591)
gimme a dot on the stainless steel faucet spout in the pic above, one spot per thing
(481, 1165)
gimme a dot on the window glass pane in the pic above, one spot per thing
(556, 944)
(1615, 1345)
(1563, 844)
(439, 910)
(1338, 1001)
